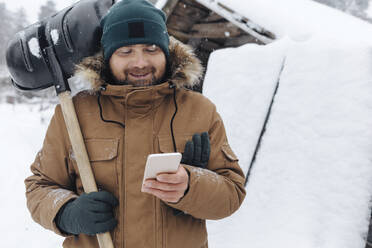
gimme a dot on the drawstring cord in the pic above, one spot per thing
(172, 86)
(176, 212)
(100, 109)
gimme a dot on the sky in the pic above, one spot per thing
(32, 7)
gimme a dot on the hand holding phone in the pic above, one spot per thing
(173, 181)
(161, 163)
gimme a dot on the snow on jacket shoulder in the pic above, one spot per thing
(118, 156)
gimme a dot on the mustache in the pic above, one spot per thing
(140, 71)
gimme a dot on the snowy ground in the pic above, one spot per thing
(22, 131)
(3, 71)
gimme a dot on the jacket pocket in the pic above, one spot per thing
(166, 142)
(228, 152)
(103, 155)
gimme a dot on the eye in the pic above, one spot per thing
(152, 48)
(124, 51)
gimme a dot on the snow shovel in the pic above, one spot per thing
(44, 55)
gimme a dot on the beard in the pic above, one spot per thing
(124, 80)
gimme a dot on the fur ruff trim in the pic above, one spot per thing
(186, 69)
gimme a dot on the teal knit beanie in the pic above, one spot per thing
(131, 22)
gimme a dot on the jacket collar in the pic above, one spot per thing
(139, 99)
(185, 71)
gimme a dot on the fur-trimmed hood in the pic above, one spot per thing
(185, 68)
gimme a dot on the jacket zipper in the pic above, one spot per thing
(162, 226)
(122, 184)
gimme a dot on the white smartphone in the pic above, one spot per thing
(161, 163)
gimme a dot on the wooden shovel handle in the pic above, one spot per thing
(78, 146)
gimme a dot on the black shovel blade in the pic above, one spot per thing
(74, 33)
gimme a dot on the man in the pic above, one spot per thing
(138, 106)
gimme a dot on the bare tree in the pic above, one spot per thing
(6, 30)
(20, 19)
(354, 7)
(46, 10)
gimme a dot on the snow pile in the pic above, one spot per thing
(310, 184)
(243, 80)
(302, 20)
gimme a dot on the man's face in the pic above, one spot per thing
(138, 65)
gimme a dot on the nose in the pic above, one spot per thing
(140, 61)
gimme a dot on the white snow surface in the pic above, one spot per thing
(302, 20)
(310, 184)
(22, 132)
(255, 68)
(55, 36)
(78, 83)
(33, 45)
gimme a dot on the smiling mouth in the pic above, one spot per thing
(139, 75)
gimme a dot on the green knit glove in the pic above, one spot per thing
(91, 213)
(197, 151)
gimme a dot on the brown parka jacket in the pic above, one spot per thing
(118, 157)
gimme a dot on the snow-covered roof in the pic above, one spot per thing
(310, 183)
(301, 20)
